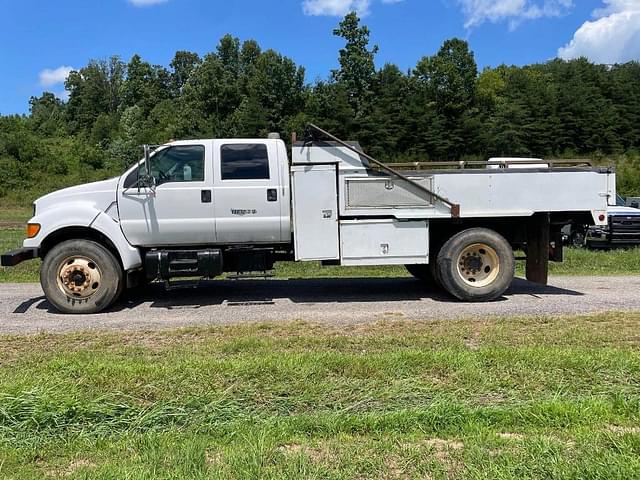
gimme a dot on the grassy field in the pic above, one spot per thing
(543, 397)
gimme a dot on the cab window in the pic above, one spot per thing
(184, 163)
(244, 162)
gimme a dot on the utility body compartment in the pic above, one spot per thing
(323, 232)
(384, 242)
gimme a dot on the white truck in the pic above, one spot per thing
(200, 208)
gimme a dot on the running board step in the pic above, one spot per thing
(166, 264)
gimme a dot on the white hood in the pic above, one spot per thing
(98, 194)
(623, 211)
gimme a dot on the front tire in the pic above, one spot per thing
(81, 276)
(476, 265)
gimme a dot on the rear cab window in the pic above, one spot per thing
(244, 161)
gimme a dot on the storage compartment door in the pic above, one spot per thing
(315, 212)
(384, 242)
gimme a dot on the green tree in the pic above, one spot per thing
(357, 67)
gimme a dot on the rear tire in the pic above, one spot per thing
(476, 265)
(81, 276)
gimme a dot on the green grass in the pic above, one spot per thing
(11, 238)
(542, 397)
(15, 214)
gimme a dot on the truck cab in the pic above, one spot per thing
(208, 192)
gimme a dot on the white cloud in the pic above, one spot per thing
(49, 77)
(62, 95)
(612, 37)
(477, 12)
(339, 8)
(146, 3)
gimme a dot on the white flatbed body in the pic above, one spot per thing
(343, 210)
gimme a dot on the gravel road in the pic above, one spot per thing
(24, 310)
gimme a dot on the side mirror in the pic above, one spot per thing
(147, 166)
(146, 180)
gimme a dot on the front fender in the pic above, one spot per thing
(78, 214)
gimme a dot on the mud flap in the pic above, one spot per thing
(538, 238)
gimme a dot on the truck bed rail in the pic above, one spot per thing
(483, 164)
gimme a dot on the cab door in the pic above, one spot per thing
(247, 192)
(179, 209)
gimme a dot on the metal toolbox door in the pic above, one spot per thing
(315, 212)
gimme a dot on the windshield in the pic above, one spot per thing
(620, 201)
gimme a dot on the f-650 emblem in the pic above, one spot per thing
(242, 212)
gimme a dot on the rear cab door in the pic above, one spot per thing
(248, 192)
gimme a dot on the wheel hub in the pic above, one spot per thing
(478, 265)
(78, 277)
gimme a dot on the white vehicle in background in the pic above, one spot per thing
(199, 208)
(633, 202)
(622, 229)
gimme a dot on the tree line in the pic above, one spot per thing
(444, 108)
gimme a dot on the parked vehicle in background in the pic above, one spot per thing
(622, 230)
(633, 202)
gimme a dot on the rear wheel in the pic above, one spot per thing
(81, 276)
(476, 265)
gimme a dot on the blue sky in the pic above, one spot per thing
(40, 40)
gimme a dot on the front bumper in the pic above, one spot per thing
(14, 257)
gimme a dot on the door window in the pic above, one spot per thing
(244, 162)
(184, 163)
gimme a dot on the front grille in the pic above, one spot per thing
(625, 224)
(624, 229)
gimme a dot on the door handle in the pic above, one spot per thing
(205, 196)
(272, 195)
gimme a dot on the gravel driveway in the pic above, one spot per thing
(24, 310)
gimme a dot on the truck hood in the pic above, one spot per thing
(97, 194)
(623, 211)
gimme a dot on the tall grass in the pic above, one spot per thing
(552, 397)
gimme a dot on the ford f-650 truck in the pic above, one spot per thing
(200, 208)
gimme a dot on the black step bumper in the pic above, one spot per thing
(14, 257)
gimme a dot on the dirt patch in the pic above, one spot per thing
(511, 436)
(624, 430)
(213, 458)
(472, 341)
(11, 225)
(70, 469)
(316, 454)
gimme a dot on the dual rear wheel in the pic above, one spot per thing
(475, 265)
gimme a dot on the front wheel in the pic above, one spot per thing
(81, 276)
(476, 265)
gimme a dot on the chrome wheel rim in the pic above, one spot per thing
(478, 265)
(79, 277)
